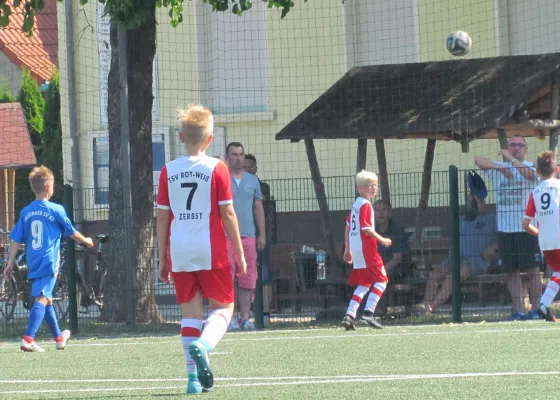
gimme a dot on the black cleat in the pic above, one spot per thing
(348, 323)
(371, 321)
(546, 313)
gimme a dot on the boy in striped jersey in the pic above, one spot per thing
(195, 207)
(544, 207)
(361, 251)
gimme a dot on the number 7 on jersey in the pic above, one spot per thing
(192, 186)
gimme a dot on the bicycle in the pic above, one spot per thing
(18, 287)
(88, 294)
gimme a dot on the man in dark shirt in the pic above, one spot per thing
(393, 255)
(251, 167)
(269, 215)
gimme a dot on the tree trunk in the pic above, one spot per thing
(141, 47)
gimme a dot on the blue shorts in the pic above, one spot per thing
(43, 286)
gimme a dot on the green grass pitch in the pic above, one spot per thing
(463, 361)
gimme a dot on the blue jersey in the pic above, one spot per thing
(40, 227)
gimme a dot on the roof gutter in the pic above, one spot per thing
(73, 115)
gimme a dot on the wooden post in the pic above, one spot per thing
(323, 205)
(425, 188)
(554, 100)
(502, 137)
(4, 199)
(361, 157)
(11, 198)
(382, 166)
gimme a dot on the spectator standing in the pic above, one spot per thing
(266, 278)
(247, 202)
(513, 180)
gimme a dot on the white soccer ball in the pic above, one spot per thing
(459, 43)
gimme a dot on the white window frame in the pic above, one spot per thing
(202, 29)
(162, 131)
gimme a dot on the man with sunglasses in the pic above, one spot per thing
(513, 180)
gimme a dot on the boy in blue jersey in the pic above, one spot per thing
(40, 227)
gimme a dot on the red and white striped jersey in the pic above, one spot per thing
(193, 188)
(363, 247)
(544, 207)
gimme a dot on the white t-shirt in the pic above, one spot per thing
(544, 207)
(512, 196)
(193, 188)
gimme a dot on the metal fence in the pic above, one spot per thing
(115, 288)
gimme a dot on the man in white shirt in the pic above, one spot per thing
(513, 180)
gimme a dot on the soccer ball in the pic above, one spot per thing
(459, 43)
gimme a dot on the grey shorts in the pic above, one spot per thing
(476, 265)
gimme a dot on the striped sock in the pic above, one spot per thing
(190, 331)
(375, 295)
(216, 326)
(551, 290)
(356, 299)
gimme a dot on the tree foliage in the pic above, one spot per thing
(52, 137)
(5, 94)
(132, 13)
(33, 106)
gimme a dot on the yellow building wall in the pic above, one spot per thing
(306, 55)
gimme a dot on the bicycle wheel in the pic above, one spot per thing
(9, 300)
(60, 298)
(98, 286)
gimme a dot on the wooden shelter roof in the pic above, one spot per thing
(17, 150)
(460, 100)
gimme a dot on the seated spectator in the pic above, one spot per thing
(394, 255)
(478, 247)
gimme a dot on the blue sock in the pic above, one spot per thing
(36, 317)
(52, 321)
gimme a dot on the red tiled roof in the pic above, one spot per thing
(17, 150)
(38, 53)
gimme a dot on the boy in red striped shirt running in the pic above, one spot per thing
(361, 251)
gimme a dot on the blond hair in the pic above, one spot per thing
(39, 177)
(363, 177)
(196, 123)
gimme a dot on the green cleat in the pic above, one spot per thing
(194, 386)
(199, 354)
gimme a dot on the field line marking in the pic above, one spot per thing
(295, 380)
(304, 337)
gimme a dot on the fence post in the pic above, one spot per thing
(71, 262)
(455, 257)
(258, 304)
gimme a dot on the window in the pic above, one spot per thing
(100, 147)
(232, 58)
(101, 169)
